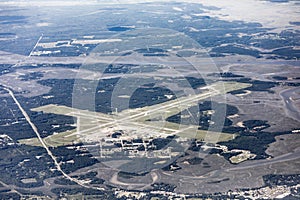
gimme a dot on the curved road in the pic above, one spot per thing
(292, 110)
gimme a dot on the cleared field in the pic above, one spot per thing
(55, 140)
(242, 157)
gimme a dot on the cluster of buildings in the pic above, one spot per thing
(121, 144)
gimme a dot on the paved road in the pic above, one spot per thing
(34, 128)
